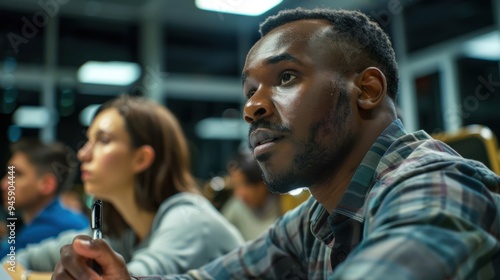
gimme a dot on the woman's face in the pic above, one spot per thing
(107, 157)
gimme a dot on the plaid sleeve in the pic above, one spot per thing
(270, 256)
(436, 225)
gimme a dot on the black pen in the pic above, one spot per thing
(96, 225)
(96, 222)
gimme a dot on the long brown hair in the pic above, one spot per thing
(148, 123)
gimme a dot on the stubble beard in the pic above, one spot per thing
(326, 148)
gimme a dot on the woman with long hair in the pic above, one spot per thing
(136, 160)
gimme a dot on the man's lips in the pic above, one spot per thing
(262, 136)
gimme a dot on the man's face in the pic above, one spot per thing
(26, 182)
(299, 106)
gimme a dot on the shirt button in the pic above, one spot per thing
(341, 256)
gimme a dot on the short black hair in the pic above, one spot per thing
(51, 158)
(368, 43)
(246, 163)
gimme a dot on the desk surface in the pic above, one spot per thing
(18, 274)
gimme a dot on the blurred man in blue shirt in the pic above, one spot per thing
(36, 173)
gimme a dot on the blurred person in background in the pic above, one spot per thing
(218, 190)
(42, 171)
(253, 208)
(75, 199)
(136, 160)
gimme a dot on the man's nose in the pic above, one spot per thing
(259, 106)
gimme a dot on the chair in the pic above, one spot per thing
(476, 142)
(293, 199)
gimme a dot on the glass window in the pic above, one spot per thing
(21, 36)
(84, 40)
(429, 102)
(479, 92)
(433, 21)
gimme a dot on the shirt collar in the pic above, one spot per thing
(351, 204)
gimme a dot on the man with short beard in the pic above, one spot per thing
(386, 204)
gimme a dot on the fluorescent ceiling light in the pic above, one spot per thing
(87, 114)
(484, 47)
(110, 73)
(222, 128)
(241, 7)
(32, 117)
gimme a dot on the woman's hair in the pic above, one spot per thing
(148, 123)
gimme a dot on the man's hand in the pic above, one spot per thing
(76, 261)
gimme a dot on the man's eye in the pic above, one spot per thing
(250, 94)
(286, 77)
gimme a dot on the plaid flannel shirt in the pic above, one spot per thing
(413, 210)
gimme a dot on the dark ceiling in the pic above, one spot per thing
(194, 41)
(200, 53)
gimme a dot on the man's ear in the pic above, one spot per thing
(144, 157)
(47, 184)
(372, 87)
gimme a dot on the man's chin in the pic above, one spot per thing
(280, 187)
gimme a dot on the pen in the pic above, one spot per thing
(96, 222)
(96, 225)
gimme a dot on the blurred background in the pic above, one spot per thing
(189, 59)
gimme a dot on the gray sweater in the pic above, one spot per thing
(187, 232)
